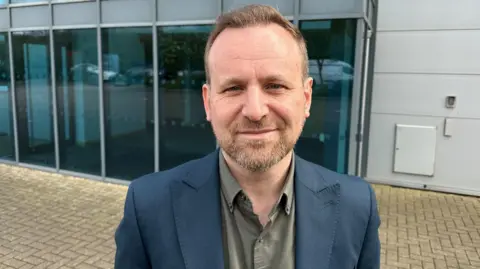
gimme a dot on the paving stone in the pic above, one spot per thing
(442, 229)
(50, 220)
(55, 221)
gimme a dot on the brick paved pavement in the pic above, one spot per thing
(424, 229)
(53, 221)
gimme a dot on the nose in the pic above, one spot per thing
(255, 107)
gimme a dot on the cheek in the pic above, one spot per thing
(291, 110)
(222, 113)
(300, 108)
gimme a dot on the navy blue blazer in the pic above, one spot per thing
(172, 219)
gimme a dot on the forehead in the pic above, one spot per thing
(260, 47)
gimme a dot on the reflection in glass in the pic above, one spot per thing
(128, 101)
(77, 100)
(331, 46)
(7, 148)
(33, 97)
(184, 132)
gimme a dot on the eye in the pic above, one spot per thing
(233, 89)
(275, 86)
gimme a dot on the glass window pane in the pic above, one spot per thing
(76, 69)
(128, 101)
(7, 148)
(184, 132)
(31, 57)
(331, 47)
(25, 1)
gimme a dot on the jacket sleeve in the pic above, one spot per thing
(130, 253)
(370, 253)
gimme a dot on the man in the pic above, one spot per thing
(253, 203)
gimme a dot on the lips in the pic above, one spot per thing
(254, 132)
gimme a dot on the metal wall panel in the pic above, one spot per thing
(4, 19)
(445, 52)
(286, 7)
(426, 94)
(74, 13)
(322, 7)
(32, 16)
(171, 10)
(425, 52)
(454, 172)
(428, 15)
(133, 11)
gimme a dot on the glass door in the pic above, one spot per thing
(185, 134)
(33, 97)
(7, 148)
(128, 101)
(78, 107)
(331, 47)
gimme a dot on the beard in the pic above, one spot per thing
(257, 155)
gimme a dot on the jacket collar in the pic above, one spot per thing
(317, 199)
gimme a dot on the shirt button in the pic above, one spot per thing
(260, 240)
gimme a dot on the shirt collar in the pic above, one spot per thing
(231, 188)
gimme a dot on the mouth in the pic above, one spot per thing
(256, 133)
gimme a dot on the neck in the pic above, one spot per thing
(261, 186)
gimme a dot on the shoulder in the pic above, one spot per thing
(355, 192)
(153, 187)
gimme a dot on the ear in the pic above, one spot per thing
(206, 99)
(307, 91)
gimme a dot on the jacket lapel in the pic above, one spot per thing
(316, 208)
(197, 212)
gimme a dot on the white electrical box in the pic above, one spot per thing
(415, 149)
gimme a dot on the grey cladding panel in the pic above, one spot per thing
(33, 16)
(171, 10)
(74, 13)
(4, 19)
(286, 7)
(323, 7)
(131, 11)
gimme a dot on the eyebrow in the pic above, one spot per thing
(272, 78)
(266, 79)
(231, 81)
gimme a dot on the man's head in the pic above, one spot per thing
(257, 95)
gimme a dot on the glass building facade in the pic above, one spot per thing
(112, 89)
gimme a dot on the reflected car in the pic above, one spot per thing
(331, 70)
(91, 73)
(140, 75)
(327, 73)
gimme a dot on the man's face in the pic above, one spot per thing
(257, 100)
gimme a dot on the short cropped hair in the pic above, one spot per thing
(255, 15)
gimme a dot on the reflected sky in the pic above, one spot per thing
(23, 1)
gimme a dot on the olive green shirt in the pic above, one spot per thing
(247, 244)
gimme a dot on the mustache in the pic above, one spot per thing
(247, 124)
